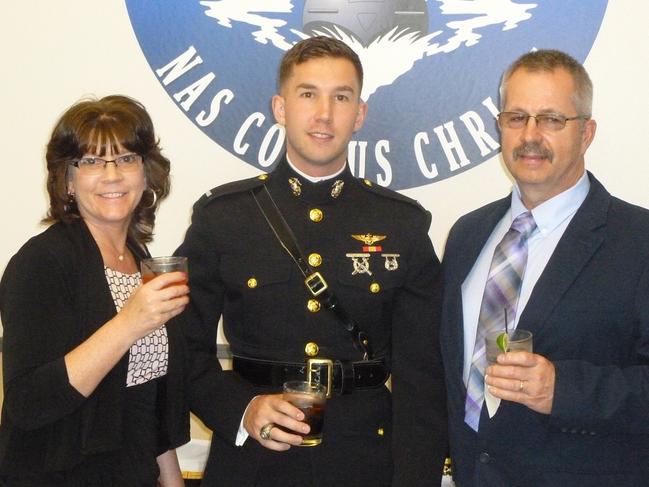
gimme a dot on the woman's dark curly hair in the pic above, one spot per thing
(90, 127)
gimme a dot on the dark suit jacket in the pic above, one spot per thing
(53, 296)
(371, 437)
(589, 313)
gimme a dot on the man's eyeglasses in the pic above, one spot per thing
(549, 122)
(94, 165)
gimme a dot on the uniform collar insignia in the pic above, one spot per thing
(337, 188)
(296, 186)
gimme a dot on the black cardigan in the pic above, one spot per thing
(53, 296)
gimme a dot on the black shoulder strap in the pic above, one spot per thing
(314, 281)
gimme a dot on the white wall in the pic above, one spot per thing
(53, 53)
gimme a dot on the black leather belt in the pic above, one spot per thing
(341, 377)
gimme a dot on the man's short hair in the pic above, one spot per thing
(550, 60)
(315, 48)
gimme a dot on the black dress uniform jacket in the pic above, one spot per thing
(239, 271)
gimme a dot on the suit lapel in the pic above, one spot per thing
(468, 244)
(478, 232)
(582, 238)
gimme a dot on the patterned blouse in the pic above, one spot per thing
(148, 357)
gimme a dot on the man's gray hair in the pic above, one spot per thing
(550, 60)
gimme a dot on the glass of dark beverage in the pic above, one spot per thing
(310, 398)
(155, 266)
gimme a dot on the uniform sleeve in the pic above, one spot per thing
(418, 392)
(39, 322)
(608, 399)
(217, 397)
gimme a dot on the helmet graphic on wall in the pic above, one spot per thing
(366, 20)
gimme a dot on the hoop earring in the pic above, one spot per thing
(67, 207)
(155, 199)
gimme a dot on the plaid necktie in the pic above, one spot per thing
(501, 293)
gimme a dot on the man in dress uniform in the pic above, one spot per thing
(367, 246)
(562, 258)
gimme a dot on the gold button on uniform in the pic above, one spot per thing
(262, 177)
(316, 215)
(311, 349)
(252, 283)
(367, 182)
(315, 260)
(375, 287)
(313, 305)
(380, 432)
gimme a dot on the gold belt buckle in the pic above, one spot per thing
(316, 283)
(314, 363)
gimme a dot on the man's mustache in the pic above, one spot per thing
(533, 149)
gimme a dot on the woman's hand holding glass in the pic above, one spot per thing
(156, 302)
(148, 308)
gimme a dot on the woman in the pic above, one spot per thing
(93, 376)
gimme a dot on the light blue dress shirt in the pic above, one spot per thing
(552, 218)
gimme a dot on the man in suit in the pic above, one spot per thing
(576, 411)
(372, 247)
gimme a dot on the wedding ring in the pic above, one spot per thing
(521, 385)
(264, 432)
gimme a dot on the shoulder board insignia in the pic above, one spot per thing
(234, 187)
(379, 190)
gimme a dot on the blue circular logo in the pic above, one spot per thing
(432, 70)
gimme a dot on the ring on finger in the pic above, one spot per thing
(521, 385)
(264, 432)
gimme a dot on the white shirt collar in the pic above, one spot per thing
(315, 179)
(549, 214)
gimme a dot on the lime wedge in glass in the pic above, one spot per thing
(502, 341)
